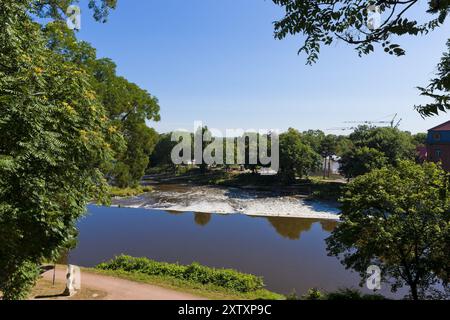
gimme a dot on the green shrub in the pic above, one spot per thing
(225, 278)
(352, 294)
(340, 294)
(129, 192)
(314, 294)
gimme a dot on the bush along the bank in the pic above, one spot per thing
(340, 294)
(225, 278)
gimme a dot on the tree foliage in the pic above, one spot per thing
(55, 139)
(360, 161)
(392, 142)
(161, 155)
(374, 147)
(398, 218)
(127, 105)
(297, 159)
(324, 22)
(438, 89)
(56, 9)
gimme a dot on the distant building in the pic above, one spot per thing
(438, 145)
(335, 164)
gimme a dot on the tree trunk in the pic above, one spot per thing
(329, 167)
(414, 292)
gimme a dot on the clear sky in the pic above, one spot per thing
(217, 61)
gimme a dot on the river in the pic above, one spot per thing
(287, 250)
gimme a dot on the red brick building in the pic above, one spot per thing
(438, 145)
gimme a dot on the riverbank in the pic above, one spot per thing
(313, 188)
(129, 192)
(98, 284)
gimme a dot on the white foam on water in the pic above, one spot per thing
(230, 201)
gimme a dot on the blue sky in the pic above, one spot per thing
(217, 61)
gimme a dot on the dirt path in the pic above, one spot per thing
(121, 289)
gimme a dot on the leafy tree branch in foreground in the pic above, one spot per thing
(55, 141)
(399, 219)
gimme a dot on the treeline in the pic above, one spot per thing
(69, 125)
(303, 153)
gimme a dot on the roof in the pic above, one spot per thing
(442, 127)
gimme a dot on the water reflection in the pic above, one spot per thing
(290, 253)
(202, 219)
(292, 228)
(328, 225)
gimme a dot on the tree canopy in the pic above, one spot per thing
(392, 142)
(56, 9)
(55, 141)
(353, 21)
(373, 147)
(127, 105)
(438, 89)
(297, 159)
(398, 218)
(324, 22)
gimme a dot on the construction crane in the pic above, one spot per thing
(342, 128)
(392, 123)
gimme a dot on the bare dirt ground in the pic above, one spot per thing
(101, 287)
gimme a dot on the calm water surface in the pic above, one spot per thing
(288, 252)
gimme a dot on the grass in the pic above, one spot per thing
(212, 282)
(129, 192)
(207, 291)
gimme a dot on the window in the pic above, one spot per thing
(438, 153)
(437, 136)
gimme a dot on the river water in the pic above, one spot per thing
(289, 251)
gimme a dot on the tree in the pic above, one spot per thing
(252, 140)
(438, 89)
(351, 21)
(55, 140)
(419, 139)
(373, 147)
(127, 105)
(392, 142)
(314, 139)
(56, 9)
(162, 151)
(343, 145)
(206, 137)
(131, 165)
(360, 161)
(324, 22)
(296, 158)
(398, 218)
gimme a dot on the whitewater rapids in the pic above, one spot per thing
(186, 198)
